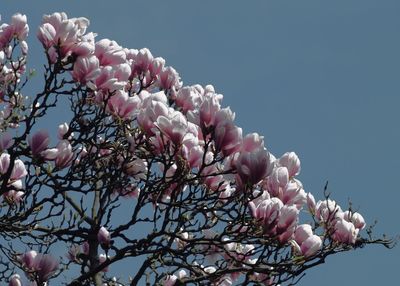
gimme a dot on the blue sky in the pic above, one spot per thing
(320, 78)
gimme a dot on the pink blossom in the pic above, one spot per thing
(46, 34)
(302, 232)
(260, 195)
(174, 126)
(73, 252)
(311, 245)
(252, 142)
(107, 80)
(28, 259)
(109, 53)
(207, 111)
(122, 72)
(345, 232)
(228, 138)
(6, 34)
(39, 142)
(355, 218)
(64, 154)
(169, 79)
(291, 162)
(287, 222)
(15, 280)
(267, 211)
(277, 181)
(62, 130)
(156, 66)
(123, 105)
(212, 177)
(19, 170)
(226, 192)
(85, 248)
(142, 60)
(223, 116)
(50, 154)
(6, 141)
(294, 194)
(58, 30)
(170, 280)
(149, 114)
(192, 151)
(239, 251)
(24, 47)
(252, 167)
(104, 237)
(81, 23)
(17, 184)
(311, 203)
(4, 163)
(85, 69)
(20, 26)
(136, 168)
(103, 258)
(14, 196)
(188, 98)
(45, 266)
(327, 210)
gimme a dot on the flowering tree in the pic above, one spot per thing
(145, 171)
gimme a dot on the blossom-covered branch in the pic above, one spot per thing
(144, 169)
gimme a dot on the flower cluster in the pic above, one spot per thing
(223, 205)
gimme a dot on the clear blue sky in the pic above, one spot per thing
(321, 78)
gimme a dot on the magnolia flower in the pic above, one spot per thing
(123, 105)
(169, 79)
(6, 141)
(104, 237)
(103, 258)
(4, 163)
(19, 26)
(15, 280)
(73, 252)
(39, 142)
(268, 211)
(207, 111)
(28, 259)
(253, 166)
(354, 218)
(109, 52)
(294, 194)
(345, 232)
(277, 181)
(311, 203)
(311, 245)
(287, 222)
(13, 196)
(151, 110)
(19, 170)
(252, 142)
(174, 126)
(327, 210)
(170, 280)
(62, 130)
(85, 69)
(58, 30)
(188, 98)
(291, 162)
(228, 138)
(45, 266)
(302, 232)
